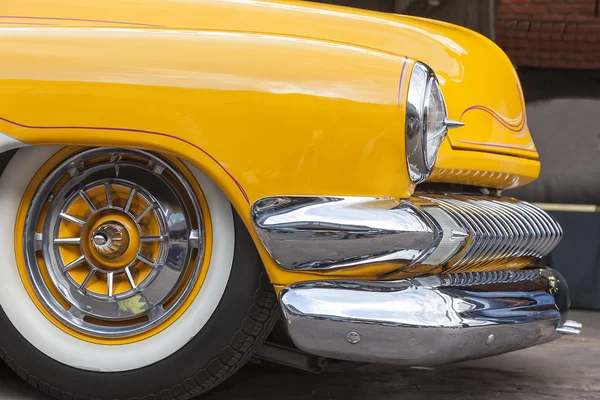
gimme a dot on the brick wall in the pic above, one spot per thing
(550, 33)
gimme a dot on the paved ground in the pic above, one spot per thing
(566, 369)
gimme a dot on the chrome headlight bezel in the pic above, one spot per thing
(423, 83)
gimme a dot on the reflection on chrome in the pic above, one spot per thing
(329, 232)
(430, 320)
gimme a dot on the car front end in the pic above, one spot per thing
(178, 177)
(451, 270)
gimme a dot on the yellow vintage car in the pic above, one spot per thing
(178, 176)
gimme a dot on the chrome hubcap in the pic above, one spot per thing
(119, 233)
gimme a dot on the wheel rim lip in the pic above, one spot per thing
(38, 283)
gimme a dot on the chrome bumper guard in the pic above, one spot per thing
(428, 320)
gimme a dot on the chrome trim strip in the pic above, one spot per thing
(320, 233)
(429, 320)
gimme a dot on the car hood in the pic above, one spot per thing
(478, 80)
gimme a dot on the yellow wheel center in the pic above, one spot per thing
(111, 240)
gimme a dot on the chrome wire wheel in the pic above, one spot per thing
(113, 241)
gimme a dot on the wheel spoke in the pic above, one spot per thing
(129, 200)
(87, 279)
(130, 278)
(108, 196)
(72, 219)
(146, 239)
(109, 281)
(87, 200)
(74, 240)
(73, 264)
(143, 213)
(146, 260)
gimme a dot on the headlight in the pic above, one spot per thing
(435, 122)
(426, 122)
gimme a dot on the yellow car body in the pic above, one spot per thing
(265, 97)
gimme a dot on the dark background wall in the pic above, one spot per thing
(474, 14)
(550, 33)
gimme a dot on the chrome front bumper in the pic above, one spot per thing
(429, 320)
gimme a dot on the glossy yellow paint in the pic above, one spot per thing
(79, 275)
(278, 288)
(265, 97)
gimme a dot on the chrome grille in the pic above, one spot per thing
(489, 277)
(500, 228)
